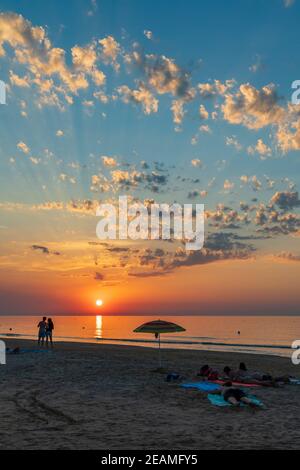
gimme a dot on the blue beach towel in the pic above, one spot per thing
(24, 351)
(204, 386)
(218, 400)
(295, 381)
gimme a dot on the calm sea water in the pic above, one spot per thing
(263, 335)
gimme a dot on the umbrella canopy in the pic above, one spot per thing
(157, 327)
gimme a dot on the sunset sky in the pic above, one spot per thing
(182, 101)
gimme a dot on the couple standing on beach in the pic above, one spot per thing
(46, 328)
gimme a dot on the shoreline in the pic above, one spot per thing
(82, 347)
(167, 344)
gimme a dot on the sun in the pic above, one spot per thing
(99, 302)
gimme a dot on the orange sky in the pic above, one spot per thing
(250, 286)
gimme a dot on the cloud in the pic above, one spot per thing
(228, 185)
(253, 108)
(225, 217)
(261, 148)
(16, 80)
(46, 66)
(232, 141)
(110, 51)
(215, 88)
(59, 133)
(162, 74)
(93, 8)
(44, 250)
(206, 256)
(23, 147)
(84, 206)
(285, 200)
(109, 161)
(288, 3)
(35, 160)
(98, 276)
(196, 162)
(177, 109)
(126, 180)
(255, 183)
(286, 255)
(218, 247)
(141, 96)
(203, 113)
(148, 34)
(85, 60)
(257, 65)
(67, 178)
(288, 135)
(261, 217)
(205, 128)
(197, 193)
(100, 183)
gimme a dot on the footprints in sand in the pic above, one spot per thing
(29, 403)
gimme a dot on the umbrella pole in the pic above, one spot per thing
(159, 352)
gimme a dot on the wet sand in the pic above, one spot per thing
(90, 396)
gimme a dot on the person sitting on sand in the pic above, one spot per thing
(244, 372)
(49, 332)
(42, 326)
(208, 373)
(230, 374)
(235, 396)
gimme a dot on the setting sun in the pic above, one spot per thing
(99, 302)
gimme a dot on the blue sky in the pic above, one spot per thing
(226, 37)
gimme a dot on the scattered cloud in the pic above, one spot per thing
(23, 147)
(261, 148)
(109, 161)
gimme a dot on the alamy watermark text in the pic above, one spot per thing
(138, 221)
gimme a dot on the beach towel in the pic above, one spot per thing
(295, 381)
(173, 377)
(23, 351)
(203, 386)
(236, 384)
(36, 351)
(218, 400)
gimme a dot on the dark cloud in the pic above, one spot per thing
(288, 256)
(286, 200)
(98, 276)
(226, 242)
(44, 250)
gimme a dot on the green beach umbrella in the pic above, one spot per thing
(157, 327)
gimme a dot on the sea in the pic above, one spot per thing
(268, 335)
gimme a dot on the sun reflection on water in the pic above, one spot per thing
(98, 326)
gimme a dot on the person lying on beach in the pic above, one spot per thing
(235, 396)
(208, 373)
(243, 372)
(174, 377)
(255, 378)
(13, 351)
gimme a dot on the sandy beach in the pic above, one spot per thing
(89, 396)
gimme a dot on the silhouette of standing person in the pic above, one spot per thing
(49, 332)
(42, 326)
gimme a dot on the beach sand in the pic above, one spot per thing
(90, 396)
